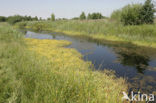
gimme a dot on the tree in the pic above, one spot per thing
(82, 16)
(15, 19)
(95, 16)
(40, 18)
(36, 18)
(147, 12)
(52, 17)
(136, 14)
(130, 14)
(116, 15)
(2, 19)
(89, 16)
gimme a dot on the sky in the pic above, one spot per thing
(61, 8)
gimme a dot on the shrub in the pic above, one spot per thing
(136, 14)
(130, 14)
(21, 25)
(38, 26)
(15, 19)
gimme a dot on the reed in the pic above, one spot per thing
(43, 71)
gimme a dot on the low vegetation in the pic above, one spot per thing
(133, 23)
(43, 71)
(143, 35)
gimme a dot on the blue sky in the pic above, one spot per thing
(61, 8)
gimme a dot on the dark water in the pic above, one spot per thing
(136, 64)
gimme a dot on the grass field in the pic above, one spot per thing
(43, 71)
(143, 35)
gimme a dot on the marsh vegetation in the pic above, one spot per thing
(43, 71)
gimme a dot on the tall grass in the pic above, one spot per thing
(102, 29)
(42, 71)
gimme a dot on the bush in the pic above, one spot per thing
(15, 19)
(136, 14)
(130, 14)
(38, 26)
(21, 25)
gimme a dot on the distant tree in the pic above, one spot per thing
(95, 16)
(64, 19)
(48, 18)
(82, 16)
(52, 17)
(89, 16)
(36, 18)
(75, 18)
(15, 19)
(147, 12)
(3, 19)
(40, 18)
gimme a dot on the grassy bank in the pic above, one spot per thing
(143, 35)
(43, 71)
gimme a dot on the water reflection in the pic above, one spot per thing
(135, 60)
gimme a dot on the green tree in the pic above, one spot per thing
(36, 18)
(130, 14)
(136, 14)
(2, 19)
(89, 16)
(14, 19)
(147, 12)
(52, 17)
(116, 15)
(82, 16)
(95, 16)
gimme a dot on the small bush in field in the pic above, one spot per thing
(38, 26)
(21, 25)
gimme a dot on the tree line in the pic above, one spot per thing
(132, 14)
(91, 16)
(17, 18)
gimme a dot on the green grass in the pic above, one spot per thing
(42, 71)
(144, 35)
